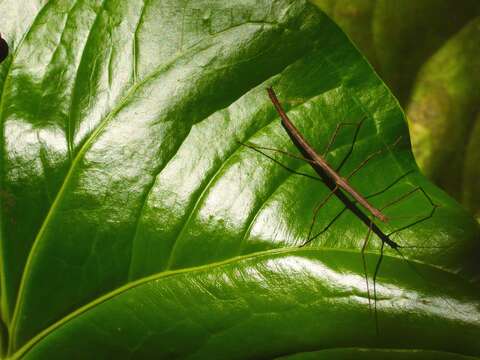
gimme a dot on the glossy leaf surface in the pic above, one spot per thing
(133, 221)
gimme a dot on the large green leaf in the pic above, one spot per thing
(360, 354)
(447, 88)
(134, 224)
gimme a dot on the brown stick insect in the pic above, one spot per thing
(340, 187)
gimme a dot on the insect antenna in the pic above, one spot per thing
(260, 148)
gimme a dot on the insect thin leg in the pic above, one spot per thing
(335, 134)
(363, 163)
(400, 198)
(371, 156)
(335, 218)
(420, 218)
(258, 149)
(364, 261)
(315, 213)
(350, 150)
(388, 187)
(377, 269)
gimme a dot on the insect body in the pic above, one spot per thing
(300, 141)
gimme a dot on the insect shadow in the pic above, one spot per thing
(341, 188)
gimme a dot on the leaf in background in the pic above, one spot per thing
(120, 160)
(443, 109)
(355, 18)
(407, 33)
(398, 37)
(471, 195)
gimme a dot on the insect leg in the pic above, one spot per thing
(337, 130)
(260, 148)
(257, 147)
(335, 218)
(375, 274)
(419, 218)
(315, 214)
(350, 150)
(364, 261)
(370, 157)
(391, 185)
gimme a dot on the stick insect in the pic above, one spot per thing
(339, 185)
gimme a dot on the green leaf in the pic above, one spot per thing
(398, 37)
(355, 17)
(377, 354)
(472, 171)
(447, 88)
(134, 224)
(407, 33)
